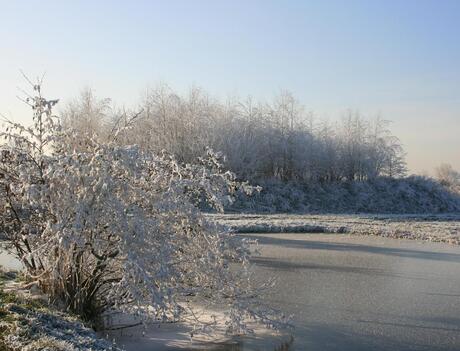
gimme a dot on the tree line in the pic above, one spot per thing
(279, 139)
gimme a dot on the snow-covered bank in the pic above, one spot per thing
(29, 323)
(414, 194)
(430, 227)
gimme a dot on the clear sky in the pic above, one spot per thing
(399, 59)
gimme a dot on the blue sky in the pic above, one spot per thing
(399, 59)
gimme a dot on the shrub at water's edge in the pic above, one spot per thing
(101, 227)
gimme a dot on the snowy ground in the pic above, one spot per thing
(29, 323)
(430, 227)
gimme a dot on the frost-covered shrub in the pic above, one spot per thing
(103, 227)
(449, 177)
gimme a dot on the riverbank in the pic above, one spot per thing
(29, 323)
(427, 227)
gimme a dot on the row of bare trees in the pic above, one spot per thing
(279, 139)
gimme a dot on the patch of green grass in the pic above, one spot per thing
(7, 297)
(7, 319)
(33, 304)
(5, 316)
